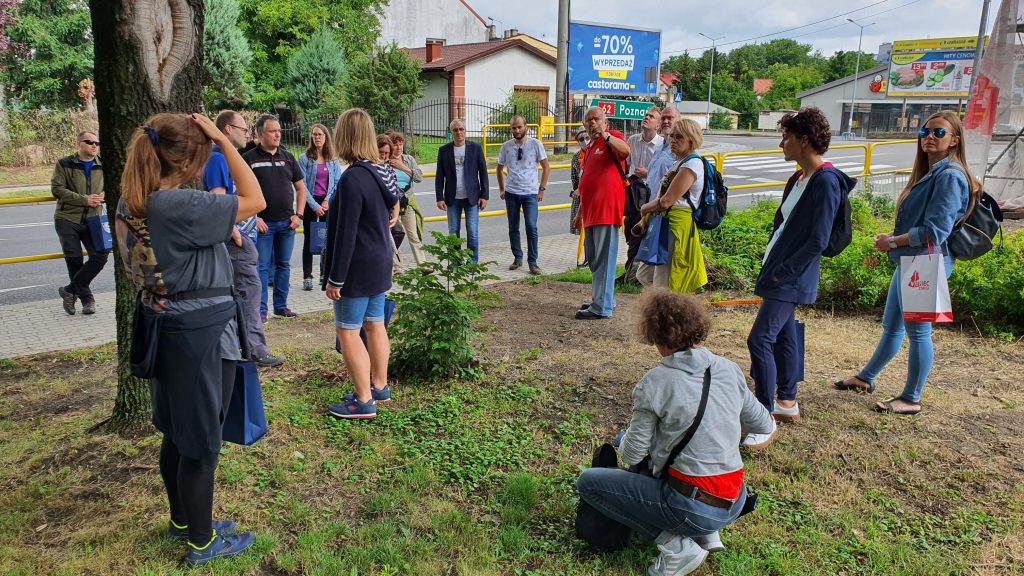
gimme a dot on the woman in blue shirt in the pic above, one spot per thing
(937, 195)
(321, 172)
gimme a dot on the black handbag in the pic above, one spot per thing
(973, 235)
(603, 534)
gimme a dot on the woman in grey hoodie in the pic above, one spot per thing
(703, 491)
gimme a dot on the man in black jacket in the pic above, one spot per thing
(77, 184)
(461, 184)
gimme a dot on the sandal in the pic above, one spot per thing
(886, 407)
(858, 386)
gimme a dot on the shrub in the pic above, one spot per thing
(991, 288)
(734, 250)
(434, 315)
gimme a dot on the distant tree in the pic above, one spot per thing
(787, 51)
(690, 75)
(226, 54)
(278, 29)
(721, 121)
(843, 64)
(384, 84)
(53, 41)
(317, 68)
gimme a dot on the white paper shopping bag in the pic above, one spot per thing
(923, 289)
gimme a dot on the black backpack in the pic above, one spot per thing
(842, 225)
(710, 209)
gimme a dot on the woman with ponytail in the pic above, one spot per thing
(186, 332)
(939, 192)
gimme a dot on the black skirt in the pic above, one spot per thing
(186, 386)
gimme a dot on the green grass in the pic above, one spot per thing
(11, 194)
(582, 275)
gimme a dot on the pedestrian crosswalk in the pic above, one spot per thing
(738, 168)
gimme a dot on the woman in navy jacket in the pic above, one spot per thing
(936, 196)
(792, 262)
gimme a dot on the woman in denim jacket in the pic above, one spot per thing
(938, 194)
(321, 171)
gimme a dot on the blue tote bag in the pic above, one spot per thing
(317, 236)
(99, 229)
(654, 247)
(246, 422)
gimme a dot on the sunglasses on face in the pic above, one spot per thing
(939, 133)
(91, 142)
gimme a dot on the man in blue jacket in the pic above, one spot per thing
(461, 184)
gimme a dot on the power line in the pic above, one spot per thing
(782, 31)
(862, 17)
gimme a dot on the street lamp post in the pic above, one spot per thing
(711, 77)
(853, 101)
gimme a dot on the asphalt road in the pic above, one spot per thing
(28, 229)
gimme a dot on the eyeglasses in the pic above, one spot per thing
(91, 142)
(677, 136)
(939, 133)
(242, 128)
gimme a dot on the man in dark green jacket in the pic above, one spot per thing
(77, 184)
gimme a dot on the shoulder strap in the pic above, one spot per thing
(693, 426)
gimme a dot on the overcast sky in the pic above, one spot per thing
(681, 21)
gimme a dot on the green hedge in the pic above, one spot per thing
(990, 289)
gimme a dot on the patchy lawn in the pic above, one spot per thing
(478, 478)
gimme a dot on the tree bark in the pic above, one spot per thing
(147, 59)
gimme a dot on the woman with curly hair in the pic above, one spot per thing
(792, 263)
(939, 192)
(703, 491)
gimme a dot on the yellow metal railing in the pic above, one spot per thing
(720, 160)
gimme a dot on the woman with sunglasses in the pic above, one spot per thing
(685, 272)
(322, 172)
(938, 193)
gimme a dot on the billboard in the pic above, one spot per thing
(937, 67)
(613, 60)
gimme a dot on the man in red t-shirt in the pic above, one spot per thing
(602, 204)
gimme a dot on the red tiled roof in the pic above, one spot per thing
(762, 85)
(457, 55)
(669, 78)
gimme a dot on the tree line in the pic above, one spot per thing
(317, 57)
(791, 66)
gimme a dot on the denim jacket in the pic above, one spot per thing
(308, 166)
(931, 208)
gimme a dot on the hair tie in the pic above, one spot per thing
(153, 138)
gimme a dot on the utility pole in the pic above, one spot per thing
(980, 49)
(561, 74)
(856, 74)
(711, 77)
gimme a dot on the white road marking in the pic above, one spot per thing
(25, 225)
(20, 288)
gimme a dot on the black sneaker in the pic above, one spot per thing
(89, 307)
(268, 361)
(68, 299)
(516, 264)
(535, 270)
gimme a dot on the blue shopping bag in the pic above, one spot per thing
(389, 310)
(317, 236)
(99, 229)
(654, 247)
(246, 421)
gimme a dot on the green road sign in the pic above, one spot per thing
(622, 109)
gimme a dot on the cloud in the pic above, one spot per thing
(740, 19)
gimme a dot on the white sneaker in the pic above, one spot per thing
(679, 556)
(791, 414)
(755, 442)
(711, 542)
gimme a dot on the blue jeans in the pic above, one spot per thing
(922, 353)
(528, 203)
(275, 249)
(650, 506)
(455, 211)
(351, 313)
(602, 246)
(773, 352)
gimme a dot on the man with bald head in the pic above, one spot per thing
(602, 204)
(461, 186)
(663, 157)
(522, 155)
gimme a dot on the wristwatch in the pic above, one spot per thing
(892, 243)
(542, 188)
(607, 138)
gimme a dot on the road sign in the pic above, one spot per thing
(622, 109)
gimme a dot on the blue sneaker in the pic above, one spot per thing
(219, 546)
(180, 533)
(382, 396)
(353, 409)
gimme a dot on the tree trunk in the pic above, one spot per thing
(148, 59)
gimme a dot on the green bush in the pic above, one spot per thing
(734, 250)
(991, 288)
(434, 315)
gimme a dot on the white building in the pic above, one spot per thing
(410, 23)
